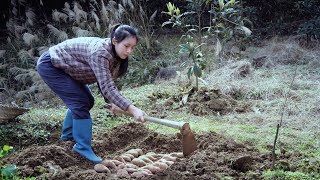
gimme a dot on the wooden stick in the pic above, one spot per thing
(166, 122)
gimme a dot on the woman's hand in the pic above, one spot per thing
(116, 110)
(136, 113)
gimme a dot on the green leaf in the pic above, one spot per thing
(199, 55)
(184, 48)
(177, 11)
(9, 171)
(190, 72)
(197, 70)
(7, 148)
(221, 4)
(171, 8)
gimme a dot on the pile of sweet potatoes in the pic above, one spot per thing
(134, 163)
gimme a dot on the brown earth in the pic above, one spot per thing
(215, 158)
(201, 102)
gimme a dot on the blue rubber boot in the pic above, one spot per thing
(82, 133)
(66, 134)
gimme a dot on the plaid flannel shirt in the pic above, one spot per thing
(89, 60)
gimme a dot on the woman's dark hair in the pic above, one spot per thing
(120, 32)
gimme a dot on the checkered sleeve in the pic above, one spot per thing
(100, 66)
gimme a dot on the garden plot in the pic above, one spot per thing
(125, 150)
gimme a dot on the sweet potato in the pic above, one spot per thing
(116, 162)
(161, 165)
(129, 155)
(151, 157)
(177, 154)
(133, 152)
(129, 165)
(169, 158)
(146, 170)
(169, 163)
(122, 173)
(151, 153)
(139, 151)
(153, 169)
(131, 170)
(126, 158)
(100, 168)
(138, 162)
(119, 159)
(145, 159)
(122, 166)
(139, 174)
(109, 164)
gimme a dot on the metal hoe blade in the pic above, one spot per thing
(189, 144)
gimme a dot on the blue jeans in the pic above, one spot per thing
(77, 97)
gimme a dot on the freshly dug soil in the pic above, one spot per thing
(197, 102)
(216, 156)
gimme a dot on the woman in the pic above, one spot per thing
(68, 67)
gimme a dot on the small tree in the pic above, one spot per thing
(195, 54)
(191, 47)
(226, 24)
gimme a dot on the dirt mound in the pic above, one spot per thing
(201, 102)
(216, 156)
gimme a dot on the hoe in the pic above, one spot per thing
(189, 144)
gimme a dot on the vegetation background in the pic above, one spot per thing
(262, 53)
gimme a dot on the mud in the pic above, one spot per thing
(216, 156)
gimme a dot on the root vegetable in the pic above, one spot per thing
(100, 168)
(131, 170)
(152, 168)
(139, 151)
(145, 159)
(162, 166)
(169, 163)
(169, 158)
(177, 154)
(129, 155)
(138, 162)
(146, 170)
(126, 158)
(133, 152)
(122, 173)
(139, 174)
(129, 165)
(151, 157)
(116, 162)
(119, 159)
(151, 153)
(109, 163)
(122, 166)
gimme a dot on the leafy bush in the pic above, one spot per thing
(7, 171)
(310, 30)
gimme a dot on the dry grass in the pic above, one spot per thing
(266, 87)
